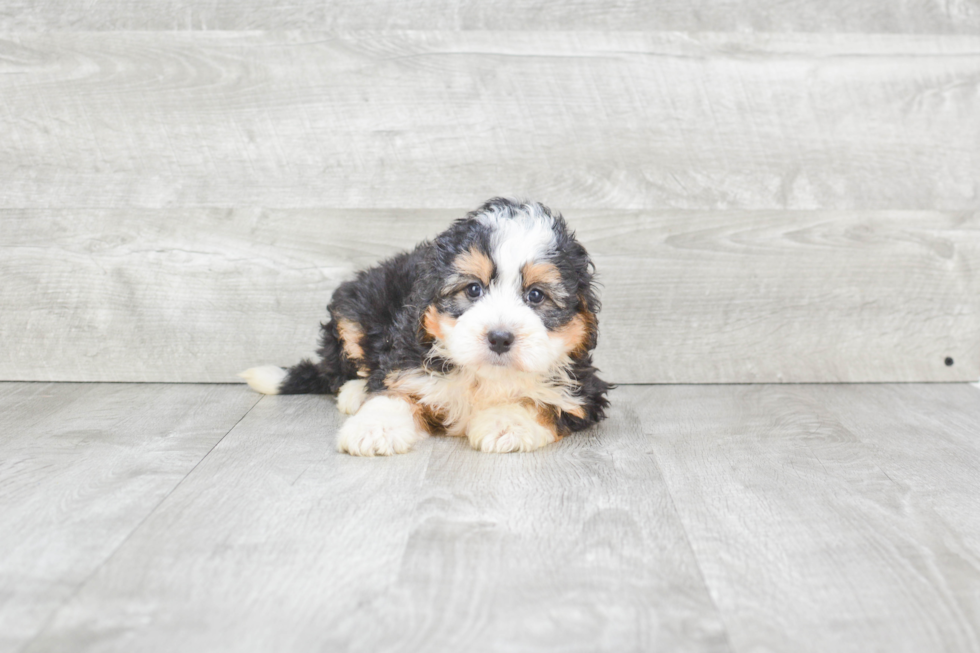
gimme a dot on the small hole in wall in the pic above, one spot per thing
(949, 362)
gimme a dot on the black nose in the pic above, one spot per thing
(500, 341)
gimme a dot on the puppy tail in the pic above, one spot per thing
(308, 378)
(265, 379)
(305, 378)
(324, 377)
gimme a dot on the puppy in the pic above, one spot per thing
(485, 332)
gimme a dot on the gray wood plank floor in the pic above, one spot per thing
(701, 518)
(81, 466)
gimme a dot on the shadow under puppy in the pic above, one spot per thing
(485, 331)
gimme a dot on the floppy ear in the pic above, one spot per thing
(592, 389)
(591, 322)
(428, 323)
(576, 255)
(587, 286)
(588, 296)
(423, 298)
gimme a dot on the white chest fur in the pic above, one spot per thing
(464, 392)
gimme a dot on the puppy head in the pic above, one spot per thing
(511, 289)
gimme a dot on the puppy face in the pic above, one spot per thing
(513, 290)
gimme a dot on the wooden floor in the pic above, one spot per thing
(697, 518)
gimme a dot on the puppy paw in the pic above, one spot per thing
(351, 396)
(507, 428)
(383, 426)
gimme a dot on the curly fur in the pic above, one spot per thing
(409, 330)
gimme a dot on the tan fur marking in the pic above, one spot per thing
(475, 263)
(426, 418)
(578, 412)
(431, 322)
(546, 416)
(393, 381)
(350, 337)
(540, 273)
(435, 323)
(575, 335)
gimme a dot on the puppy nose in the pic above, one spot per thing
(500, 341)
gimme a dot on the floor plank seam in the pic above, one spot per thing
(419, 500)
(81, 585)
(690, 546)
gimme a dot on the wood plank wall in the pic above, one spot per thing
(832, 16)
(771, 193)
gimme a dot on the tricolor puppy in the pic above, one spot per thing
(486, 331)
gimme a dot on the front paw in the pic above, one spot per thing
(352, 396)
(383, 426)
(506, 429)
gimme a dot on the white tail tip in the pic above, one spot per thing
(265, 379)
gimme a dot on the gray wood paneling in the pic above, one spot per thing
(692, 297)
(81, 466)
(436, 119)
(914, 16)
(805, 538)
(278, 542)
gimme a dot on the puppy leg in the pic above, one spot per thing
(384, 425)
(352, 396)
(511, 427)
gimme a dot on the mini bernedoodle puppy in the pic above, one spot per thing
(486, 331)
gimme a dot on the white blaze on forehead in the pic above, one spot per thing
(526, 237)
(518, 237)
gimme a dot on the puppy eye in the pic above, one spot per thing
(474, 290)
(535, 296)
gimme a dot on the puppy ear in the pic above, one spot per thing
(588, 295)
(587, 285)
(425, 293)
(574, 254)
(429, 323)
(591, 322)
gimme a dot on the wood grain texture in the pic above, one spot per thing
(81, 466)
(805, 538)
(697, 518)
(573, 548)
(931, 451)
(689, 297)
(273, 544)
(440, 119)
(911, 16)
(277, 541)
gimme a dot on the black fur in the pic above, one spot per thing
(389, 301)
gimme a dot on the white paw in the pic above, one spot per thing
(351, 396)
(265, 379)
(507, 428)
(382, 427)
